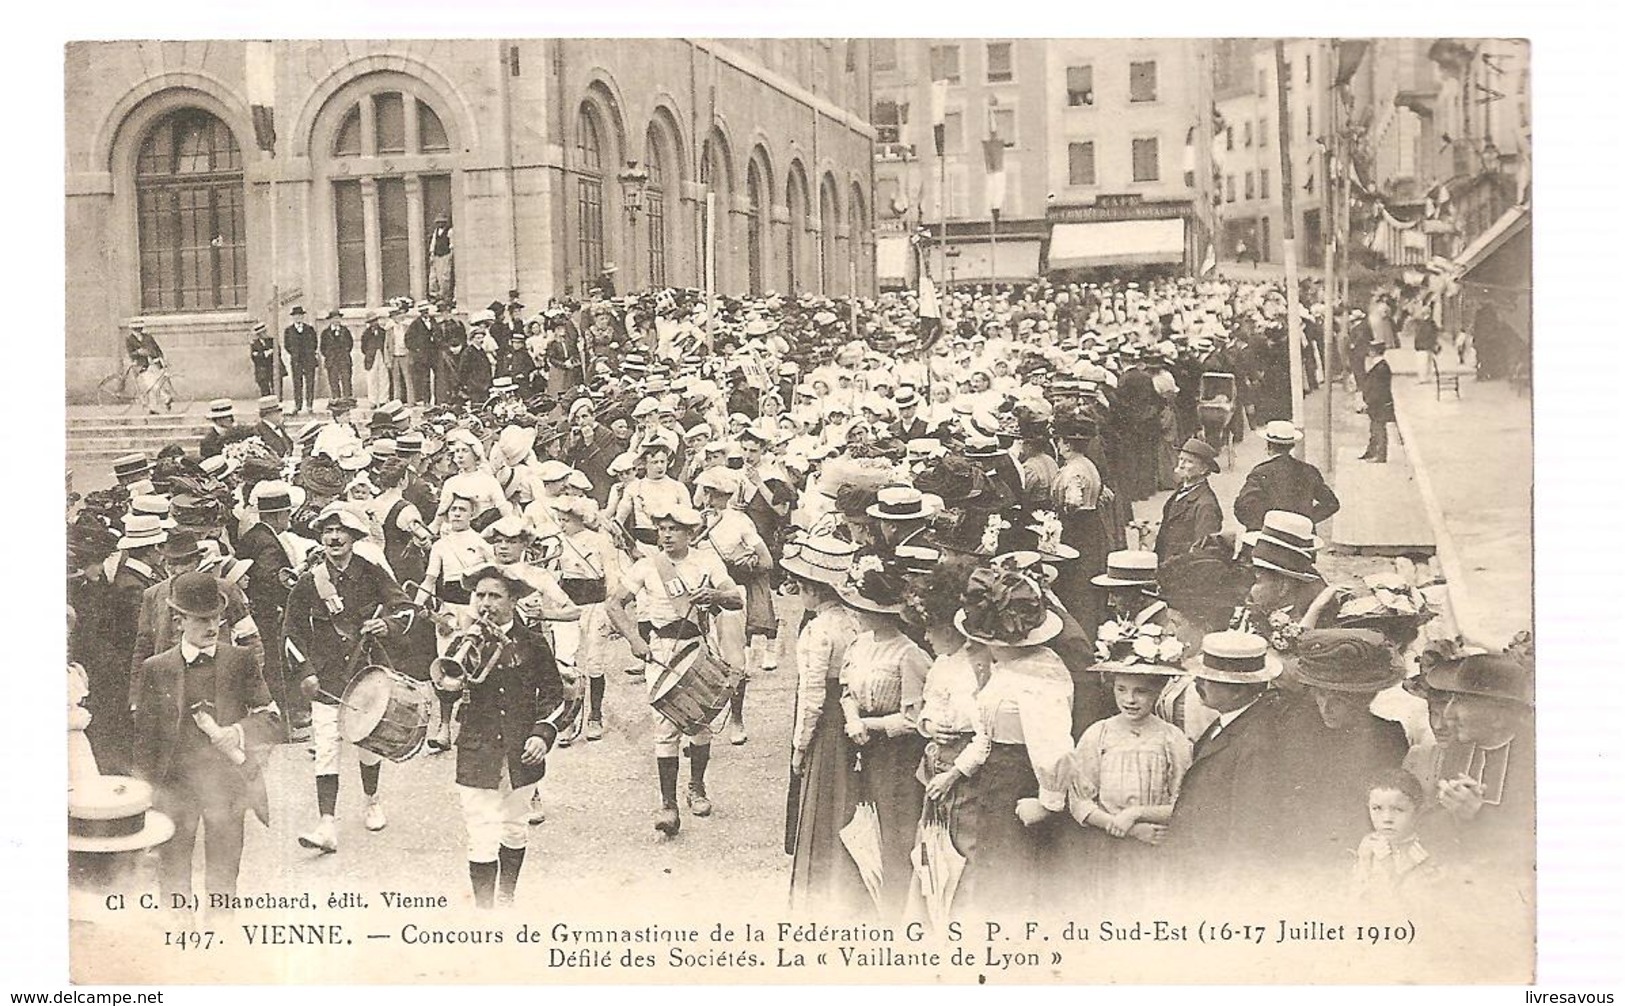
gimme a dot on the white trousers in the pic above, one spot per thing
(324, 733)
(495, 817)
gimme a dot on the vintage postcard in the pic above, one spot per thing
(800, 510)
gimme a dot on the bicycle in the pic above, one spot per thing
(125, 389)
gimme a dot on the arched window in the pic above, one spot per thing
(831, 276)
(655, 203)
(590, 193)
(862, 240)
(382, 257)
(189, 199)
(714, 175)
(795, 199)
(756, 193)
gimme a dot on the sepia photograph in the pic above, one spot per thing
(800, 510)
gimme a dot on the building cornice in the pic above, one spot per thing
(784, 85)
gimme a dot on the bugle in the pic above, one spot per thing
(473, 653)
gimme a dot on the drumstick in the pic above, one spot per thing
(329, 695)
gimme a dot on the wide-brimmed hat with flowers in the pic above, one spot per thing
(872, 585)
(1004, 607)
(1127, 646)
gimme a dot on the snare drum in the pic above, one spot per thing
(386, 712)
(694, 687)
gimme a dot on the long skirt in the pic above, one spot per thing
(825, 881)
(1093, 868)
(1006, 861)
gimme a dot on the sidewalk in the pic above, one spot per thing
(1474, 463)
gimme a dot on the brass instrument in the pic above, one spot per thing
(474, 652)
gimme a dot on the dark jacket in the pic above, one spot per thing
(267, 595)
(509, 707)
(336, 342)
(374, 340)
(238, 695)
(214, 441)
(1233, 798)
(1378, 389)
(469, 374)
(592, 458)
(300, 342)
(1282, 482)
(1329, 772)
(156, 629)
(276, 438)
(1188, 519)
(419, 340)
(324, 641)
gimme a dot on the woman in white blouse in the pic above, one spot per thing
(882, 680)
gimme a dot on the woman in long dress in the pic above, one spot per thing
(882, 680)
(823, 877)
(1020, 756)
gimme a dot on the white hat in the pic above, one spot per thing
(1237, 658)
(686, 516)
(141, 531)
(1128, 568)
(553, 470)
(154, 506)
(1281, 431)
(722, 480)
(824, 558)
(221, 408)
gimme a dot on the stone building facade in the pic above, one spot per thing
(550, 159)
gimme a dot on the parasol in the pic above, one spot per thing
(937, 865)
(861, 836)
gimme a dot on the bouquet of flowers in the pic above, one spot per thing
(1048, 527)
(1126, 642)
(990, 533)
(1284, 629)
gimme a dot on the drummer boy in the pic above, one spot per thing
(672, 588)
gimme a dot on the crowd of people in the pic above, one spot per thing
(999, 661)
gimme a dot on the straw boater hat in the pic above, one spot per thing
(131, 467)
(1293, 530)
(1235, 658)
(901, 503)
(113, 813)
(1128, 568)
(1281, 432)
(141, 532)
(1269, 553)
(221, 408)
(1345, 660)
(276, 496)
(152, 506)
(1003, 607)
(823, 558)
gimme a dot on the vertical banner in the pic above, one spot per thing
(993, 155)
(710, 271)
(930, 312)
(939, 114)
(259, 59)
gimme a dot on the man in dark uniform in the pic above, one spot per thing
(300, 340)
(336, 343)
(270, 429)
(514, 360)
(262, 353)
(420, 353)
(1282, 482)
(331, 613)
(1192, 511)
(1378, 390)
(202, 718)
(511, 719)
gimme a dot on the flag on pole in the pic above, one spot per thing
(939, 114)
(993, 156)
(1209, 261)
(260, 66)
(930, 312)
(1350, 52)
